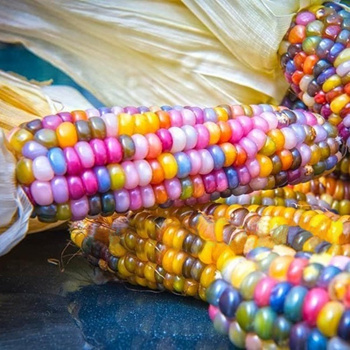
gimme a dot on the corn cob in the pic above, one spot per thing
(201, 234)
(82, 163)
(157, 252)
(300, 302)
(157, 249)
(174, 249)
(315, 60)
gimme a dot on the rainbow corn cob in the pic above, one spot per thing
(264, 296)
(72, 165)
(315, 56)
(204, 232)
(300, 302)
(155, 249)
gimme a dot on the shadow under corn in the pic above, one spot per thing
(47, 305)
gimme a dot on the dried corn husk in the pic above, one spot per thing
(198, 52)
(21, 101)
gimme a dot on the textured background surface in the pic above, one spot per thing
(42, 307)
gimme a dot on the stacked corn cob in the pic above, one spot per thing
(223, 254)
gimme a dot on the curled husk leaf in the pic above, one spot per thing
(22, 101)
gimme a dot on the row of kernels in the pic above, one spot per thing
(43, 164)
(169, 168)
(70, 130)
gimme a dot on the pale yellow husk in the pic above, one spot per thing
(134, 52)
(22, 101)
